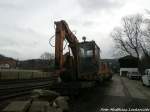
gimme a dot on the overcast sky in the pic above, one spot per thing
(27, 25)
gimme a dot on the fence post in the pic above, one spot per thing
(32, 75)
(0, 75)
(43, 75)
(18, 75)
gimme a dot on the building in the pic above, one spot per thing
(128, 64)
(34, 64)
(7, 63)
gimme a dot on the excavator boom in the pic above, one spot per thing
(63, 32)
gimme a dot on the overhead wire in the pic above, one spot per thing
(51, 40)
(53, 37)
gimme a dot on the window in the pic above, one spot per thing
(86, 53)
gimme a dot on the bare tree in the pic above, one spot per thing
(145, 45)
(120, 44)
(46, 56)
(146, 38)
(128, 37)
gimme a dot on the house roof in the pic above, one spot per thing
(128, 62)
(128, 57)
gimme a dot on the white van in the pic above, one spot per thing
(146, 78)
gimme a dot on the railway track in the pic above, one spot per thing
(11, 89)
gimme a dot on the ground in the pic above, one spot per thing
(120, 93)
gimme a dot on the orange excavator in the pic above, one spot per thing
(78, 68)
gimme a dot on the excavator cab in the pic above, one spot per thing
(89, 59)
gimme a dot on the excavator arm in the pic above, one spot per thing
(63, 32)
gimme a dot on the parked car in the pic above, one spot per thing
(134, 75)
(146, 77)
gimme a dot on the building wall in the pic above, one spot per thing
(126, 70)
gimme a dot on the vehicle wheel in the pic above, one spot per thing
(130, 77)
(143, 83)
